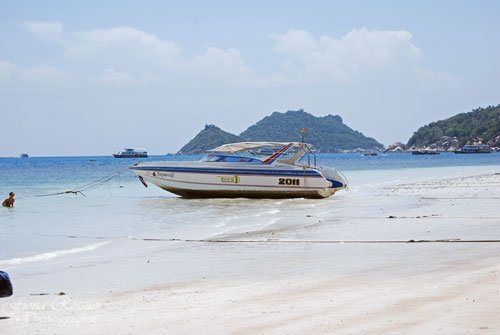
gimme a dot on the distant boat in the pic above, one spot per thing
(370, 154)
(474, 149)
(24, 156)
(425, 152)
(132, 153)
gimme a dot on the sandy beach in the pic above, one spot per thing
(249, 167)
(409, 258)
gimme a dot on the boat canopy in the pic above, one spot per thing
(242, 146)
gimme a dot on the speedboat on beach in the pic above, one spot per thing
(227, 172)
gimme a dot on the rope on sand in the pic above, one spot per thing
(458, 198)
(89, 186)
(278, 241)
(315, 241)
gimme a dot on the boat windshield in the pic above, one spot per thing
(227, 158)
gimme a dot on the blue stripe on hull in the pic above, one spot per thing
(335, 183)
(236, 186)
(307, 173)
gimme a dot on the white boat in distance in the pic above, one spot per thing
(226, 173)
(132, 153)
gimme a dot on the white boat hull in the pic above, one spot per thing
(224, 183)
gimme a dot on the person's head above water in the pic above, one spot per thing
(11, 194)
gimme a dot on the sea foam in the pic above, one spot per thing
(52, 254)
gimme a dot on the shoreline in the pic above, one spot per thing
(282, 287)
(458, 297)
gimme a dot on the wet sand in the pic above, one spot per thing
(302, 280)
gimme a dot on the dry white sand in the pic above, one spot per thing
(422, 288)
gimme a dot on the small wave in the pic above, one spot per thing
(274, 211)
(271, 222)
(52, 254)
(219, 225)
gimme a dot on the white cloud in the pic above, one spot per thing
(44, 28)
(425, 79)
(44, 74)
(49, 31)
(112, 76)
(219, 64)
(126, 55)
(105, 48)
(361, 56)
(121, 46)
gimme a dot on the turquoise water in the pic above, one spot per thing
(40, 173)
(41, 228)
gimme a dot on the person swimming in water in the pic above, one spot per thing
(9, 202)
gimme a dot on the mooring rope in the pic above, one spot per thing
(277, 241)
(89, 186)
(315, 241)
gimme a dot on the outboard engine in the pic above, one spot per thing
(338, 180)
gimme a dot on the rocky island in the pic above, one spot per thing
(326, 134)
(481, 126)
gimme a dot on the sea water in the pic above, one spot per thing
(47, 225)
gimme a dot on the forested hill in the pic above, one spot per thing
(209, 138)
(326, 134)
(482, 124)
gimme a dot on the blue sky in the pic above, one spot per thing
(91, 77)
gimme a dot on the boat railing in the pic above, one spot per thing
(308, 152)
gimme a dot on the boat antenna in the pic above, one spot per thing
(304, 133)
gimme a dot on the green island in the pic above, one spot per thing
(330, 134)
(326, 134)
(481, 125)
